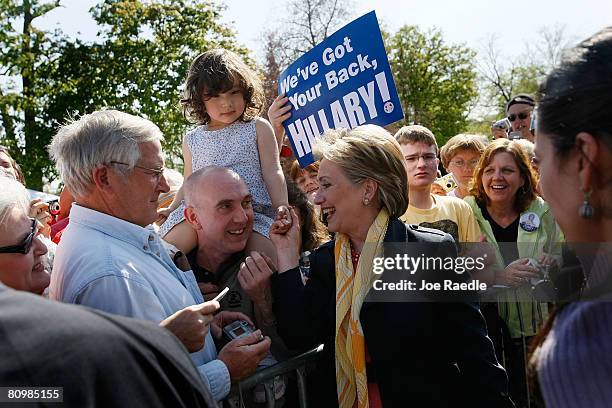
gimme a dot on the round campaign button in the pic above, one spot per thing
(529, 221)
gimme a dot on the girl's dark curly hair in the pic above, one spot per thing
(218, 71)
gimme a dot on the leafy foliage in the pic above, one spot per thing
(138, 66)
(436, 82)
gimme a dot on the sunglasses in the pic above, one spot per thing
(26, 245)
(521, 116)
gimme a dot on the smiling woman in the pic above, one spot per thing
(377, 353)
(523, 231)
(9, 166)
(21, 252)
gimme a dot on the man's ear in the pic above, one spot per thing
(589, 150)
(192, 218)
(101, 178)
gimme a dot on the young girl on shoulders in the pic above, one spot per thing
(224, 97)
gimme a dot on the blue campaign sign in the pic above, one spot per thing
(344, 82)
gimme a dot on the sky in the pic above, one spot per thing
(467, 22)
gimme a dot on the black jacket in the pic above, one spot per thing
(424, 354)
(100, 360)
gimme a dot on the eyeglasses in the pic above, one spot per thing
(428, 158)
(158, 172)
(521, 116)
(25, 246)
(461, 164)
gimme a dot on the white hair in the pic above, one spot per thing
(82, 145)
(13, 195)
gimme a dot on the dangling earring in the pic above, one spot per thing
(586, 209)
(366, 202)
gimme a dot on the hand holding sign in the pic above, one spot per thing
(279, 111)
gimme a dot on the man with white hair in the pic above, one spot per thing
(104, 358)
(110, 257)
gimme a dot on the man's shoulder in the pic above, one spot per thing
(109, 343)
(86, 255)
(456, 204)
(93, 248)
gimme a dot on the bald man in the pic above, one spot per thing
(219, 207)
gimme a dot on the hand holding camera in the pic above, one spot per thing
(243, 354)
(40, 210)
(225, 318)
(518, 273)
(447, 182)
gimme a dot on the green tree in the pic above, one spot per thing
(436, 82)
(24, 52)
(142, 61)
(502, 77)
(137, 65)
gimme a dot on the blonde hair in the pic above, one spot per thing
(458, 143)
(370, 152)
(528, 147)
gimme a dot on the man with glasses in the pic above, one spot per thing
(110, 256)
(519, 109)
(97, 359)
(449, 214)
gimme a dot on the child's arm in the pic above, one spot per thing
(278, 112)
(165, 212)
(270, 163)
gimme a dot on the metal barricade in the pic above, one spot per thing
(266, 376)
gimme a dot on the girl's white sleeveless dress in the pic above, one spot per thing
(235, 147)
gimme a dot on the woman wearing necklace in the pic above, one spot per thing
(520, 226)
(377, 353)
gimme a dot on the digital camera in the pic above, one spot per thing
(237, 329)
(447, 182)
(501, 124)
(543, 289)
(54, 207)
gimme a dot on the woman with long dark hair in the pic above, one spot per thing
(574, 155)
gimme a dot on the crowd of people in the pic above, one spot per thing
(134, 267)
